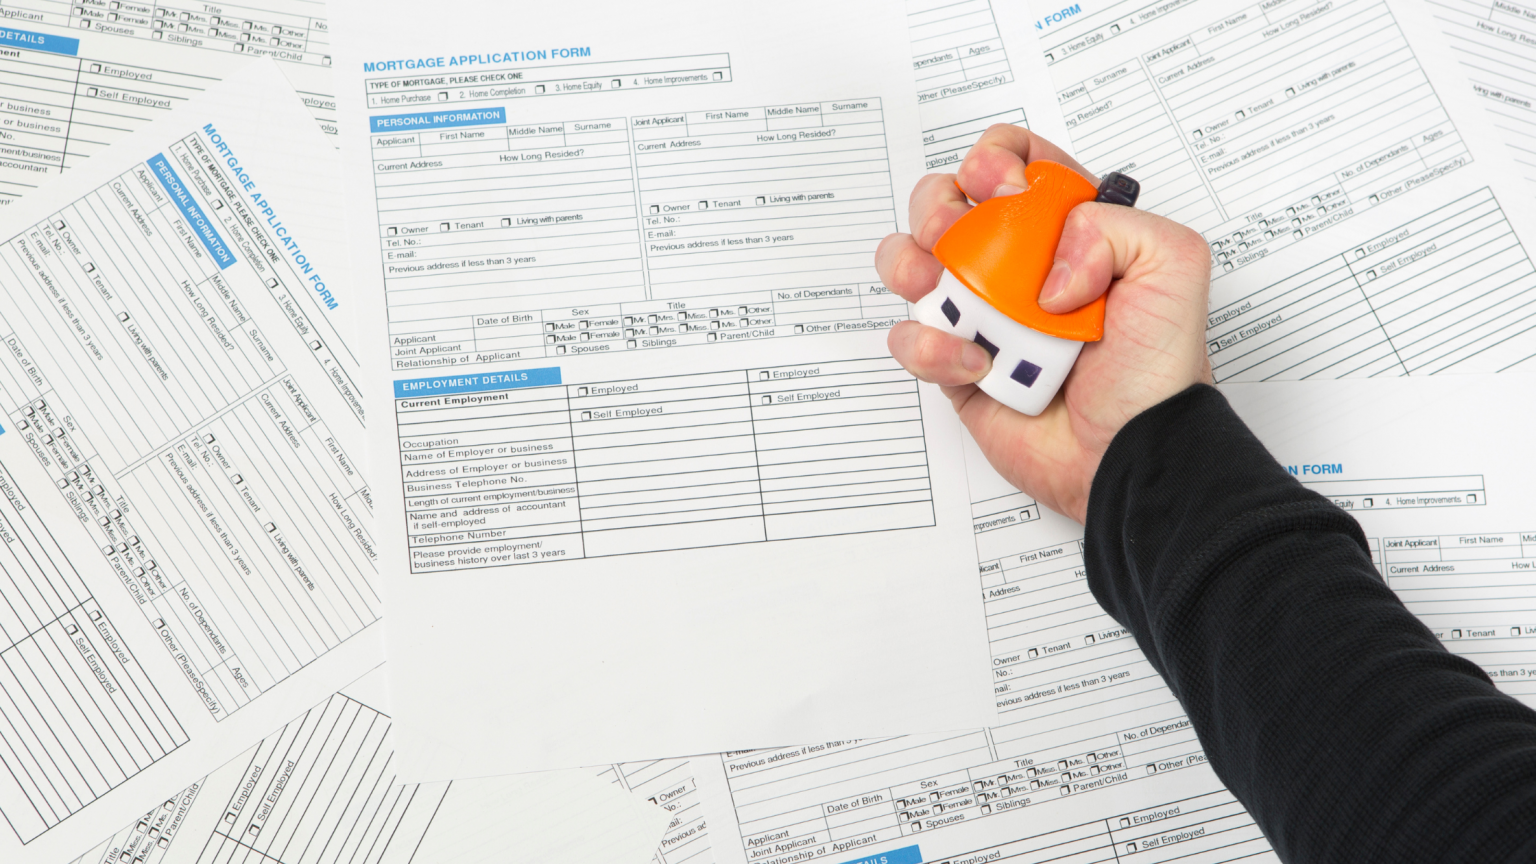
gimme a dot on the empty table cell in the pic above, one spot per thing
(670, 484)
(713, 494)
(843, 478)
(854, 520)
(915, 457)
(738, 455)
(825, 454)
(718, 530)
(817, 441)
(851, 494)
(673, 455)
(665, 509)
(665, 516)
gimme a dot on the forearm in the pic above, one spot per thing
(1327, 708)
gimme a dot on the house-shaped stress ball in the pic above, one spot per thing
(996, 258)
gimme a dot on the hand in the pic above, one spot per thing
(1154, 322)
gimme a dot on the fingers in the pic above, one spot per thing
(937, 357)
(1105, 242)
(999, 157)
(906, 268)
(934, 206)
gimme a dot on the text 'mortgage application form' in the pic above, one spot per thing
(630, 343)
(190, 559)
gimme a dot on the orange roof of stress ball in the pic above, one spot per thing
(1004, 248)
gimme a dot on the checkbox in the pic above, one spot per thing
(652, 319)
(442, 226)
(655, 331)
(1375, 199)
(586, 337)
(273, 284)
(506, 223)
(1129, 848)
(655, 208)
(617, 83)
(1290, 91)
(1151, 769)
(559, 349)
(767, 400)
(1065, 789)
(158, 624)
(1369, 275)
(538, 88)
(59, 225)
(315, 345)
(550, 340)
(762, 199)
(1317, 199)
(111, 16)
(762, 376)
(630, 344)
(703, 205)
(799, 328)
(581, 391)
(1195, 134)
(236, 479)
(1227, 267)
(1114, 28)
(90, 268)
(442, 96)
(586, 415)
(158, 34)
(1050, 58)
(393, 231)
(1088, 640)
(1034, 653)
(1241, 114)
(1359, 253)
(1296, 235)
(741, 310)
(550, 326)
(95, 614)
(1455, 634)
(1295, 223)
(208, 438)
(586, 324)
(218, 203)
(96, 67)
(1514, 631)
(712, 337)
(63, 484)
(719, 76)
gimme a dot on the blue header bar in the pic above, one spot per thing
(446, 384)
(39, 41)
(438, 119)
(904, 855)
(190, 211)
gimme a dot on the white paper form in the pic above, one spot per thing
(1094, 758)
(77, 75)
(192, 536)
(322, 790)
(1496, 44)
(1361, 214)
(627, 306)
(975, 66)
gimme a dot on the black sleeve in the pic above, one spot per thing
(1328, 709)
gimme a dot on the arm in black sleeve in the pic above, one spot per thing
(1328, 709)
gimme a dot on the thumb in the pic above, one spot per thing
(1102, 243)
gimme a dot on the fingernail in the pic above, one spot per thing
(1055, 282)
(975, 358)
(1006, 189)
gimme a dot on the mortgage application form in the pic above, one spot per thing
(1093, 759)
(1363, 216)
(188, 555)
(322, 790)
(76, 75)
(630, 345)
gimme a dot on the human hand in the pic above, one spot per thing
(1154, 320)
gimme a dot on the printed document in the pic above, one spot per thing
(977, 63)
(77, 75)
(322, 790)
(1093, 758)
(187, 556)
(1363, 217)
(622, 303)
